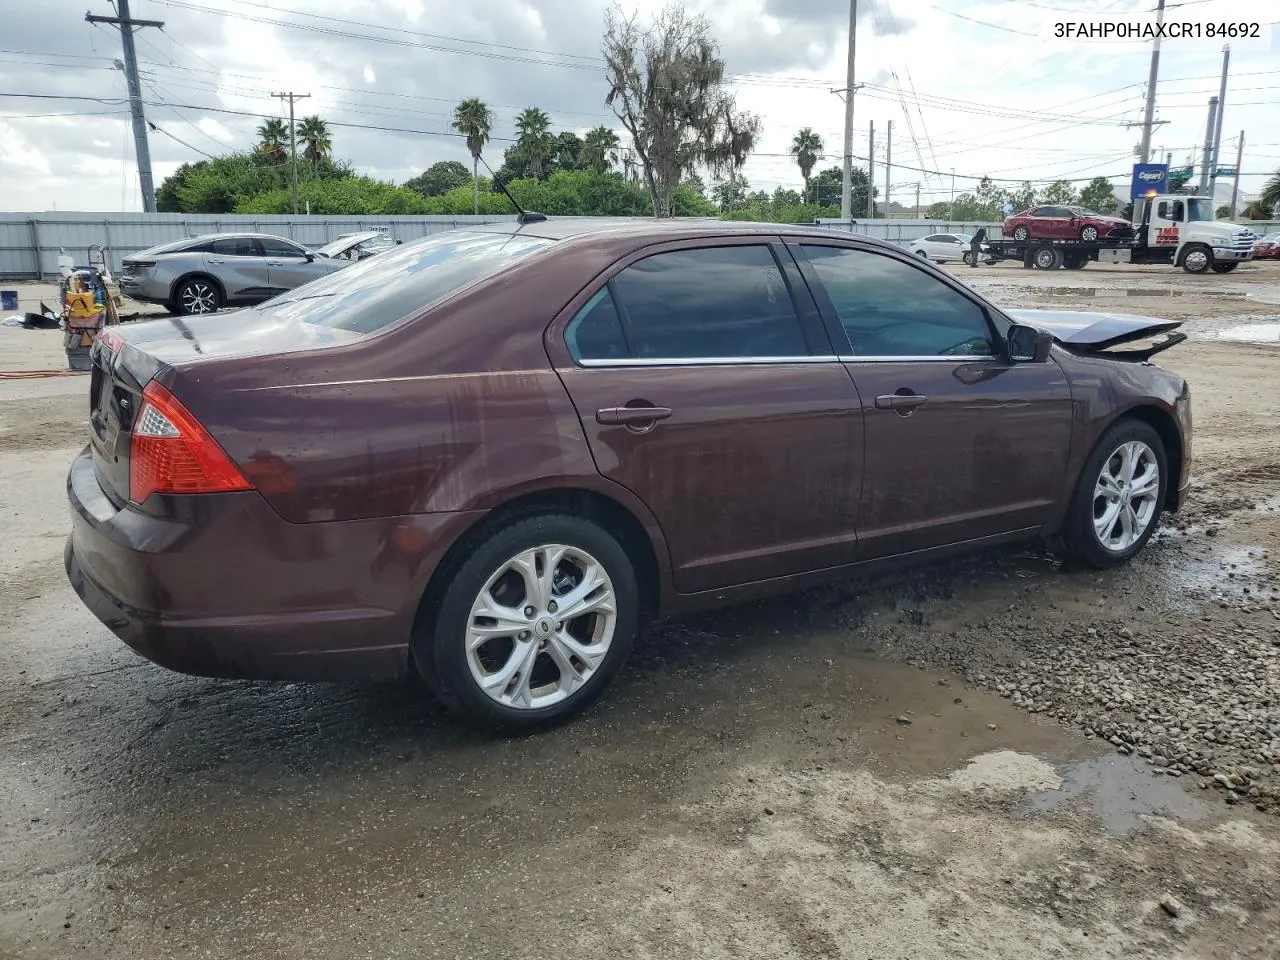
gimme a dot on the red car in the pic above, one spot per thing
(1066, 223)
(1267, 248)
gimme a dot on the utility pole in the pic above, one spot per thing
(1235, 184)
(141, 148)
(951, 215)
(1208, 144)
(1140, 205)
(1217, 128)
(293, 139)
(917, 199)
(888, 157)
(871, 172)
(846, 198)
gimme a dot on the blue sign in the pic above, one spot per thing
(1149, 179)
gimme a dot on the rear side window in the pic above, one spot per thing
(709, 303)
(376, 292)
(595, 333)
(893, 309)
(234, 247)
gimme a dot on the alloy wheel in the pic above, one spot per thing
(198, 297)
(1089, 233)
(1021, 233)
(541, 626)
(1125, 496)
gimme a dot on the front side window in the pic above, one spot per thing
(272, 247)
(1198, 209)
(893, 309)
(712, 303)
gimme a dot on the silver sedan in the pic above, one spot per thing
(202, 274)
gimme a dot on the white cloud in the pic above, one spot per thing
(964, 94)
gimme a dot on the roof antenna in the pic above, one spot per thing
(522, 216)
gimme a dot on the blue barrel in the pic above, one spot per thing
(8, 299)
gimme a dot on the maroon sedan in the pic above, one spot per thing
(1066, 223)
(486, 456)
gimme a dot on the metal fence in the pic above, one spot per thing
(31, 242)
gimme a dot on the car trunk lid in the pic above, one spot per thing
(127, 358)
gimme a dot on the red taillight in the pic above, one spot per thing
(172, 453)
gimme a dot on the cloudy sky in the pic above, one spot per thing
(975, 86)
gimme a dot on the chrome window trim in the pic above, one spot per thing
(701, 361)
(756, 361)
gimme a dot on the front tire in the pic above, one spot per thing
(1224, 267)
(533, 624)
(197, 296)
(1089, 234)
(1197, 259)
(1021, 233)
(1118, 499)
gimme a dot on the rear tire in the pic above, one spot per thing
(1075, 261)
(1048, 258)
(537, 673)
(1130, 446)
(198, 295)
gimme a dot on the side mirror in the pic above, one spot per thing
(1029, 344)
(310, 256)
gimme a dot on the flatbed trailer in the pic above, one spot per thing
(1074, 254)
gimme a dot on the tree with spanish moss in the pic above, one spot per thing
(667, 86)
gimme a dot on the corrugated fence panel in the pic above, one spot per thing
(30, 243)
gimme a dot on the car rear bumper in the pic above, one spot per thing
(238, 592)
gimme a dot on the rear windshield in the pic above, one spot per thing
(379, 291)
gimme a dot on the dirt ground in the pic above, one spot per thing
(1002, 757)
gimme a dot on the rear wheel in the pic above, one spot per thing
(534, 624)
(1048, 258)
(1223, 267)
(1075, 261)
(1021, 233)
(198, 295)
(1117, 502)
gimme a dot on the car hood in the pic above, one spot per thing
(1095, 331)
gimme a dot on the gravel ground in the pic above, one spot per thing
(998, 757)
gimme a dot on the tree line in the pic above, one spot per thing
(667, 89)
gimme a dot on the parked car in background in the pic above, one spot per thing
(1267, 247)
(1066, 223)
(944, 247)
(203, 274)
(348, 482)
(357, 246)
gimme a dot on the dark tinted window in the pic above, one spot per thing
(938, 238)
(595, 333)
(1042, 212)
(272, 247)
(714, 302)
(377, 292)
(893, 309)
(234, 247)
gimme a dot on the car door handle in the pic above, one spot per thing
(211, 260)
(275, 263)
(636, 416)
(901, 402)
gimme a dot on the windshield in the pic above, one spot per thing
(377, 292)
(1199, 208)
(372, 243)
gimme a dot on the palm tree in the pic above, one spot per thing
(272, 138)
(314, 134)
(533, 139)
(806, 148)
(1269, 200)
(473, 119)
(600, 149)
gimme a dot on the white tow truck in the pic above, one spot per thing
(1176, 229)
